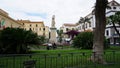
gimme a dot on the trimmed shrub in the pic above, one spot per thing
(85, 41)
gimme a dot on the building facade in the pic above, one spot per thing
(37, 27)
(66, 27)
(7, 21)
(110, 32)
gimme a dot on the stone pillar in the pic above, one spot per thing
(53, 38)
(53, 35)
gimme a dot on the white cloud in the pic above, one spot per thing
(66, 11)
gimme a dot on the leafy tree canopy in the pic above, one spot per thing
(85, 41)
(16, 40)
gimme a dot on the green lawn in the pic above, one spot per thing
(61, 58)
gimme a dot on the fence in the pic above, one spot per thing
(66, 60)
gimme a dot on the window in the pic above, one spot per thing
(114, 7)
(30, 25)
(109, 7)
(83, 26)
(67, 29)
(43, 29)
(30, 29)
(113, 3)
(36, 25)
(107, 32)
(86, 25)
(44, 34)
(79, 27)
(23, 23)
(90, 24)
(40, 29)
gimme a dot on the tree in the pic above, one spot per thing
(16, 40)
(114, 19)
(72, 33)
(60, 32)
(42, 39)
(99, 31)
(84, 40)
(84, 20)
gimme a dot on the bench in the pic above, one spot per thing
(29, 64)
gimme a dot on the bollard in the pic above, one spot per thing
(29, 64)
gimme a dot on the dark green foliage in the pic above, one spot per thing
(42, 39)
(16, 40)
(106, 44)
(85, 41)
(60, 32)
(115, 18)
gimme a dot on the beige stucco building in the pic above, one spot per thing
(36, 26)
(7, 21)
(67, 27)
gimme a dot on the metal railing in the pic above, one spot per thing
(66, 60)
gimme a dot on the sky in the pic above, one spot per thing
(65, 11)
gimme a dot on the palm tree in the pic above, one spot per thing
(84, 20)
(98, 40)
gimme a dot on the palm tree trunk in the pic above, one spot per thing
(98, 40)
